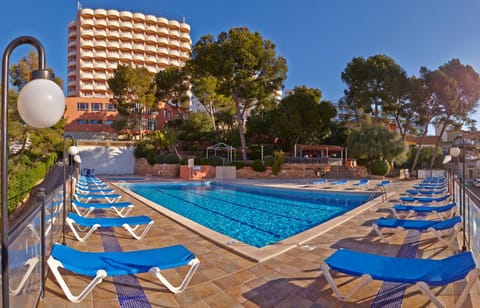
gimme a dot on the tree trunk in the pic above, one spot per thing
(434, 155)
(417, 154)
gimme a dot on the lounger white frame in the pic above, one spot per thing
(131, 229)
(155, 271)
(424, 288)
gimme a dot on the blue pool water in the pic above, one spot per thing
(255, 215)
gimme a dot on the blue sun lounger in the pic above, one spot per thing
(424, 199)
(88, 197)
(362, 182)
(84, 209)
(436, 226)
(103, 264)
(89, 225)
(339, 182)
(106, 191)
(426, 209)
(424, 273)
(430, 192)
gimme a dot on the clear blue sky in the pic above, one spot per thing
(316, 37)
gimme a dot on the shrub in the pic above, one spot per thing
(216, 161)
(257, 165)
(379, 167)
(268, 160)
(201, 161)
(170, 158)
(238, 164)
(278, 160)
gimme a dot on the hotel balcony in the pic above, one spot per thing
(86, 43)
(86, 54)
(139, 27)
(101, 87)
(138, 37)
(72, 34)
(126, 56)
(72, 52)
(100, 44)
(100, 13)
(174, 43)
(162, 32)
(126, 15)
(100, 33)
(86, 76)
(87, 24)
(174, 34)
(72, 43)
(173, 24)
(151, 59)
(113, 45)
(113, 24)
(150, 19)
(113, 55)
(162, 22)
(138, 58)
(151, 38)
(113, 34)
(174, 54)
(185, 37)
(113, 14)
(163, 61)
(184, 56)
(126, 46)
(138, 17)
(88, 64)
(126, 35)
(162, 41)
(100, 54)
(86, 32)
(126, 25)
(138, 47)
(162, 51)
(151, 28)
(100, 23)
(86, 86)
(150, 49)
(72, 83)
(86, 13)
(184, 27)
(185, 46)
(100, 65)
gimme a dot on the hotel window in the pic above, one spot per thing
(95, 121)
(111, 107)
(97, 107)
(82, 106)
(108, 122)
(81, 122)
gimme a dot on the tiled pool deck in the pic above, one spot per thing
(226, 279)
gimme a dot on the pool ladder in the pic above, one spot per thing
(379, 189)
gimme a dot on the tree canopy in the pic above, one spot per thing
(246, 67)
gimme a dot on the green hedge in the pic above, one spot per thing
(26, 178)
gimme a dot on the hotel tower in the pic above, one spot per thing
(98, 41)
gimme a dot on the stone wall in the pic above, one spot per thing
(142, 167)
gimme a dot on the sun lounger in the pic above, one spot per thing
(436, 226)
(339, 182)
(424, 199)
(430, 186)
(318, 182)
(426, 209)
(103, 264)
(88, 197)
(430, 192)
(84, 209)
(95, 191)
(384, 183)
(90, 224)
(362, 182)
(424, 273)
(26, 259)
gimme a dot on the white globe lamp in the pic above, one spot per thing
(41, 103)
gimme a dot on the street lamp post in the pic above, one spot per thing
(455, 152)
(41, 94)
(72, 150)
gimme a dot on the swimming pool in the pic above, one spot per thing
(258, 216)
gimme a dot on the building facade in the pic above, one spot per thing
(98, 41)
